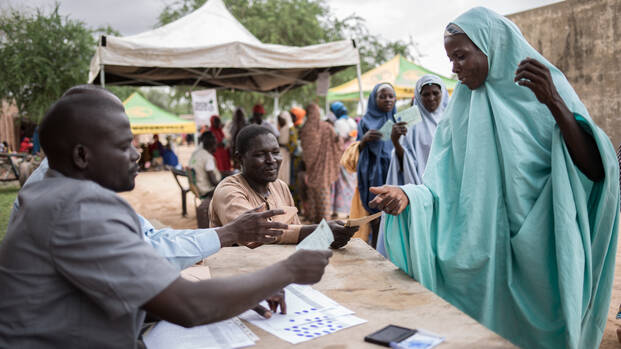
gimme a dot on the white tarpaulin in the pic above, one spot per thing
(210, 48)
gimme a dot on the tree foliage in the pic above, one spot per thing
(41, 55)
(295, 23)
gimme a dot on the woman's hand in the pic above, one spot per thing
(581, 145)
(399, 129)
(370, 136)
(341, 233)
(390, 199)
(536, 76)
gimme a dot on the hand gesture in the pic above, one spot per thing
(389, 198)
(399, 129)
(274, 301)
(536, 76)
(370, 136)
(307, 266)
(341, 233)
(252, 226)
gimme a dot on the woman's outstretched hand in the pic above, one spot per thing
(389, 198)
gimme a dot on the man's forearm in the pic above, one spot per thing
(196, 303)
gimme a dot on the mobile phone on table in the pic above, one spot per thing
(390, 333)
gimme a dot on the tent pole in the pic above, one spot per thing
(102, 78)
(326, 102)
(276, 100)
(359, 74)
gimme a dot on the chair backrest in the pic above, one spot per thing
(192, 181)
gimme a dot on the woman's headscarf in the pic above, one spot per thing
(299, 115)
(374, 158)
(322, 150)
(506, 227)
(339, 109)
(218, 132)
(417, 142)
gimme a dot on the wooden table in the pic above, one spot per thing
(362, 280)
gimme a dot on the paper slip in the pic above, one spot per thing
(310, 314)
(320, 239)
(363, 220)
(230, 333)
(420, 340)
(410, 116)
(386, 130)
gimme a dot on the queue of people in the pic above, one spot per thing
(503, 200)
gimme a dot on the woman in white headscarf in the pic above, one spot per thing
(285, 125)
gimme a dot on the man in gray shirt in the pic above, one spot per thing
(74, 269)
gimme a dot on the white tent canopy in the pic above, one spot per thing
(210, 48)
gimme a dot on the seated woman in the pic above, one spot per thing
(259, 154)
(516, 220)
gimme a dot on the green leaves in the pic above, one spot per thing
(41, 55)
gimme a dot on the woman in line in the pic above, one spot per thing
(288, 141)
(516, 220)
(258, 184)
(238, 122)
(322, 150)
(223, 159)
(375, 152)
(298, 171)
(345, 184)
(409, 158)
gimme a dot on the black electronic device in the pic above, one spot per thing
(390, 333)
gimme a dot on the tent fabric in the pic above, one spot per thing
(210, 48)
(398, 71)
(147, 118)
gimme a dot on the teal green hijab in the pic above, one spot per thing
(505, 226)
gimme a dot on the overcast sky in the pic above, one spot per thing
(424, 21)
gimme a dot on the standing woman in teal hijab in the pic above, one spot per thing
(375, 152)
(516, 222)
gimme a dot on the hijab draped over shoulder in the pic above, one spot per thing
(374, 158)
(505, 226)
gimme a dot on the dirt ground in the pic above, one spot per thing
(158, 198)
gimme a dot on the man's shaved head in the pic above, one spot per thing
(77, 129)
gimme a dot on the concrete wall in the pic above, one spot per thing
(581, 38)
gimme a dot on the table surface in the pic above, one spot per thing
(361, 279)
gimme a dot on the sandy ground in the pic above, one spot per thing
(158, 198)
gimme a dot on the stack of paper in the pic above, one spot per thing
(310, 314)
(230, 333)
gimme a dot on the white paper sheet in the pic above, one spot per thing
(310, 314)
(410, 116)
(320, 239)
(386, 130)
(230, 333)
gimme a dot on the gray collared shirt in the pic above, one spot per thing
(74, 270)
